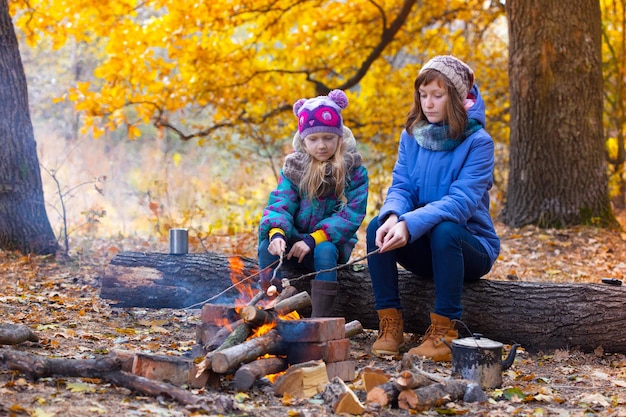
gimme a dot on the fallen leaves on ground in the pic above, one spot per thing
(59, 300)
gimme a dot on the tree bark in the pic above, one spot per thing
(24, 224)
(539, 315)
(557, 173)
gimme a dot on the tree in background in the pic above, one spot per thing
(557, 172)
(228, 72)
(24, 224)
(614, 70)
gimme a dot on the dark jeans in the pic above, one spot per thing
(449, 254)
(323, 256)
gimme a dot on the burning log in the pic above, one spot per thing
(249, 373)
(221, 335)
(293, 303)
(229, 359)
(256, 317)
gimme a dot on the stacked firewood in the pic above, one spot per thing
(235, 347)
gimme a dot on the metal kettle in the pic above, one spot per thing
(480, 359)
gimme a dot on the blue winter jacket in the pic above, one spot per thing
(430, 187)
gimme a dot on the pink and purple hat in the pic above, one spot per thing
(321, 114)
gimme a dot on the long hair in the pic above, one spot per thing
(321, 176)
(456, 115)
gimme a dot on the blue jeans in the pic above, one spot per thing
(323, 256)
(449, 254)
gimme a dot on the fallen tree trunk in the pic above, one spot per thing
(538, 315)
(109, 369)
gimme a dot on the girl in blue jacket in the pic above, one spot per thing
(435, 221)
(315, 211)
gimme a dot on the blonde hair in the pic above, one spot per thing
(314, 183)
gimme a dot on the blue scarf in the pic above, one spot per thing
(435, 137)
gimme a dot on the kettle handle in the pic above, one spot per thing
(506, 364)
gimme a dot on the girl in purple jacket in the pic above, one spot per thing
(313, 214)
(435, 221)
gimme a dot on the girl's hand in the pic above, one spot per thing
(383, 230)
(299, 250)
(277, 247)
(392, 234)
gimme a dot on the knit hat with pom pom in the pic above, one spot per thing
(321, 114)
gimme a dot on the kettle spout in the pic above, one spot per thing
(506, 364)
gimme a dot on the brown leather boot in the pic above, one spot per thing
(390, 333)
(432, 346)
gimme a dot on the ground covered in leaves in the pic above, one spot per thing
(59, 300)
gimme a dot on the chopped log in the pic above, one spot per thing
(256, 316)
(433, 395)
(258, 297)
(373, 377)
(302, 380)
(383, 395)
(293, 303)
(410, 380)
(237, 336)
(249, 373)
(13, 334)
(342, 398)
(353, 328)
(176, 370)
(221, 335)
(288, 291)
(581, 315)
(229, 359)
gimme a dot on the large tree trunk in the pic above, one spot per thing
(557, 161)
(24, 224)
(539, 315)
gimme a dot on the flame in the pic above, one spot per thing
(237, 277)
(261, 330)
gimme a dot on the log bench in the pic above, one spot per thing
(539, 315)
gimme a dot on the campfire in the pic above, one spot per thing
(261, 335)
(258, 337)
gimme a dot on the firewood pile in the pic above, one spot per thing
(252, 342)
(312, 356)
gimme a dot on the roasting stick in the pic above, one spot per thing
(352, 262)
(285, 282)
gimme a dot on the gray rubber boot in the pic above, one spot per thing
(323, 295)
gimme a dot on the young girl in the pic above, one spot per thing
(435, 221)
(313, 215)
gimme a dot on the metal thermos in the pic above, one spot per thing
(179, 241)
